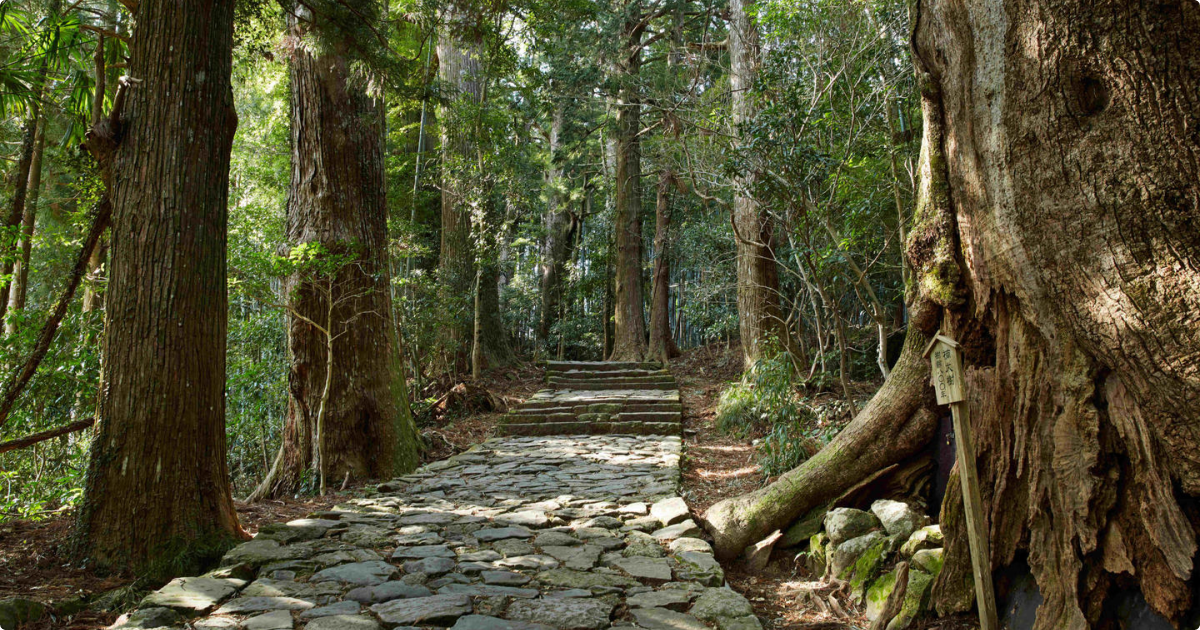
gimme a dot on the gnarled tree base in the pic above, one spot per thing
(894, 425)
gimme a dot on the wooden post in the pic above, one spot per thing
(947, 375)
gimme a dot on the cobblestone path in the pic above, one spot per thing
(580, 532)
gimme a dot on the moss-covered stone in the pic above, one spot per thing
(927, 537)
(878, 594)
(916, 600)
(929, 561)
(869, 566)
(815, 558)
(804, 528)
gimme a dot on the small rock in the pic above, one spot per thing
(502, 533)
(504, 578)
(670, 511)
(717, 603)
(699, 567)
(276, 620)
(899, 519)
(513, 547)
(435, 610)
(386, 592)
(482, 555)
(357, 573)
(261, 604)
(565, 614)
(215, 623)
(343, 622)
(582, 558)
(194, 595)
(556, 539)
(848, 552)
(928, 560)
(686, 529)
(337, 608)
(642, 544)
(842, 524)
(656, 569)
(675, 599)
(482, 622)
(528, 562)
(430, 566)
(143, 619)
(749, 622)
(664, 619)
(758, 555)
(690, 544)
(423, 551)
(927, 537)
(527, 518)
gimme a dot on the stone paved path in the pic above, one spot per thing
(580, 532)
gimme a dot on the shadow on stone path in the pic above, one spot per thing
(577, 532)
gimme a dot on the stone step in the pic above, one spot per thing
(584, 386)
(650, 416)
(624, 383)
(591, 374)
(594, 428)
(600, 366)
(612, 405)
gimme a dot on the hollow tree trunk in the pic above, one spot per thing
(157, 488)
(1072, 153)
(561, 227)
(337, 199)
(662, 343)
(629, 340)
(20, 282)
(462, 77)
(759, 314)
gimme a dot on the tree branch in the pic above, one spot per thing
(30, 440)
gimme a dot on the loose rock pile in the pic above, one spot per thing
(600, 398)
(857, 546)
(573, 533)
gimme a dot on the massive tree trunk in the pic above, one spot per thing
(759, 314)
(20, 282)
(337, 199)
(629, 342)
(157, 490)
(662, 342)
(1041, 121)
(1072, 142)
(462, 78)
(561, 226)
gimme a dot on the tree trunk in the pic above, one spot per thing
(462, 78)
(759, 314)
(560, 234)
(629, 341)
(1070, 136)
(338, 199)
(20, 283)
(662, 343)
(157, 492)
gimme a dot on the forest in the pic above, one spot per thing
(280, 279)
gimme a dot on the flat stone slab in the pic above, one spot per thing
(262, 604)
(664, 619)
(565, 614)
(657, 569)
(483, 622)
(193, 594)
(436, 610)
(357, 573)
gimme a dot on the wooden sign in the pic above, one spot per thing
(947, 371)
(947, 376)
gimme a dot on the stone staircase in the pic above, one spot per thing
(595, 398)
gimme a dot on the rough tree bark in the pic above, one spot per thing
(157, 488)
(460, 73)
(561, 226)
(629, 341)
(759, 314)
(337, 199)
(1071, 136)
(662, 342)
(20, 282)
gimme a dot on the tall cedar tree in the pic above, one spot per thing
(157, 489)
(337, 199)
(759, 314)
